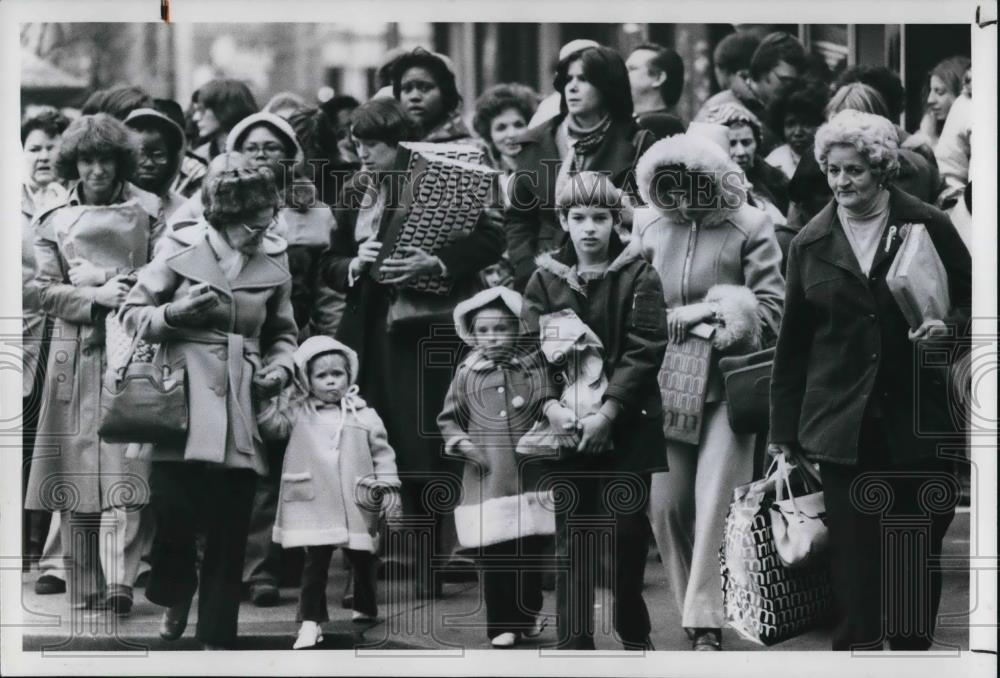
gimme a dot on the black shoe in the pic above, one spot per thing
(142, 581)
(119, 599)
(707, 640)
(174, 621)
(48, 584)
(264, 594)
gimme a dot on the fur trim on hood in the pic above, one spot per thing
(465, 310)
(696, 153)
(277, 124)
(563, 263)
(739, 328)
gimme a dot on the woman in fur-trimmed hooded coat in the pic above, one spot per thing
(718, 264)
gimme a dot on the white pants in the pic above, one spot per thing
(687, 510)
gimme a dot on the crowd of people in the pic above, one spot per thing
(237, 241)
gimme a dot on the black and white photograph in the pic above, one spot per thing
(434, 339)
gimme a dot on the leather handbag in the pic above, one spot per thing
(142, 402)
(412, 307)
(798, 523)
(747, 380)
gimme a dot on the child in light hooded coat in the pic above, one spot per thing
(339, 470)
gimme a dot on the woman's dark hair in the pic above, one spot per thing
(382, 120)
(952, 72)
(883, 80)
(666, 60)
(772, 50)
(172, 137)
(500, 98)
(334, 105)
(229, 100)
(98, 135)
(605, 69)
(49, 120)
(316, 134)
(117, 101)
(438, 69)
(805, 101)
(734, 52)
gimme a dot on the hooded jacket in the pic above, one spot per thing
(624, 308)
(729, 257)
(337, 462)
(491, 404)
(172, 200)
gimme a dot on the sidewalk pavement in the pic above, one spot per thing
(456, 620)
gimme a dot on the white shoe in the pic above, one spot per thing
(536, 628)
(310, 635)
(507, 639)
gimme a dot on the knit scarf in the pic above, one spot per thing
(585, 141)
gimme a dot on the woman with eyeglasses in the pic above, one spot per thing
(217, 298)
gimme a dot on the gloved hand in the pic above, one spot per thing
(392, 505)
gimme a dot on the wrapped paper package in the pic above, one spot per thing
(917, 278)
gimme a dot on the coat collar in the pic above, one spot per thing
(563, 262)
(825, 236)
(198, 262)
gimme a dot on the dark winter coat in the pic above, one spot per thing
(532, 219)
(843, 352)
(625, 310)
(394, 378)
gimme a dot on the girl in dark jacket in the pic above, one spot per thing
(618, 295)
(595, 131)
(858, 390)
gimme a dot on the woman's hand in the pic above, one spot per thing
(415, 263)
(269, 381)
(112, 293)
(929, 329)
(595, 432)
(392, 505)
(82, 273)
(189, 310)
(682, 318)
(367, 254)
(779, 449)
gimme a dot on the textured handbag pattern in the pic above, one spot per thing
(118, 344)
(764, 601)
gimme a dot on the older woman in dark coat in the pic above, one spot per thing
(397, 374)
(856, 389)
(217, 299)
(594, 131)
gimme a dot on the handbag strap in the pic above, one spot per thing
(139, 333)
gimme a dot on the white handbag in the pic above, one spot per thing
(798, 523)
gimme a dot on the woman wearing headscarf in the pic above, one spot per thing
(718, 262)
(854, 388)
(217, 299)
(86, 248)
(595, 131)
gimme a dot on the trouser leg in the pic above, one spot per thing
(312, 595)
(725, 460)
(227, 495)
(52, 562)
(176, 507)
(263, 557)
(364, 569)
(628, 561)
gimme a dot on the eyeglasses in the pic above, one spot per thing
(266, 149)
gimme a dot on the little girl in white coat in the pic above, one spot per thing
(339, 471)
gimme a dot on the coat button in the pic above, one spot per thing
(500, 389)
(503, 413)
(874, 357)
(872, 316)
(517, 401)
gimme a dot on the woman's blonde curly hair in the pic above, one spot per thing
(874, 137)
